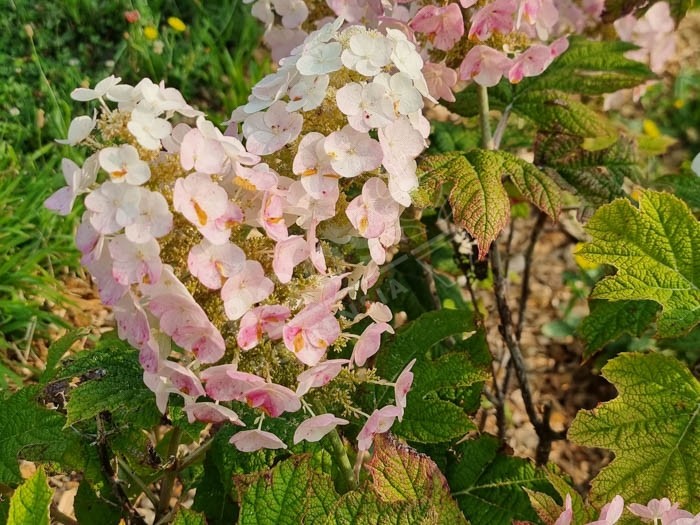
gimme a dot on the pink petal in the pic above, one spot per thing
(314, 428)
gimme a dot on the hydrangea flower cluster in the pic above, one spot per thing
(225, 256)
(654, 34)
(469, 41)
(657, 512)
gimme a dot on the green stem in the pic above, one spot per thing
(341, 456)
(486, 137)
(166, 486)
(139, 482)
(350, 481)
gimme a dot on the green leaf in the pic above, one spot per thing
(30, 502)
(489, 487)
(215, 491)
(111, 379)
(685, 186)
(91, 508)
(591, 67)
(535, 185)
(656, 250)
(479, 202)
(428, 418)
(653, 427)
(556, 111)
(407, 488)
(402, 475)
(291, 493)
(549, 510)
(597, 176)
(608, 320)
(31, 431)
(58, 350)
(188, 517)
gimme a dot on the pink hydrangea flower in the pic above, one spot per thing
(441, 80)
(374, 210)
(226, 383)
(379, 422)
(113, 206)
(124, 165)
(403, 386)
(153, 218)
(288, 254)
(368, 343)
(310, 333)
(352, 152)
(132, 322)
(653, 510)
(535, 60)
(263, 319)
(270, 131)
(208, 412)
(182, 378)
(611, 513)
(212, 263)
(314, 428)
(273, 399)
(135, 263)
(244, 289)
(367, 106)
(252, 440)
(78, 180)
(444, 26)
(319, 375)
(494, 16)
(484, 65)
(567, 515)
(200, 200)
(186, 323)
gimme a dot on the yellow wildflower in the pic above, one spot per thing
(150, 32)
(177, 24)
(679, 103)
(650, 128)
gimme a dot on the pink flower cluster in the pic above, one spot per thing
(658, 512)
(251, 220)
(654, 34)
(457, 41)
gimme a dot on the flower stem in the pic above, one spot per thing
(341, 455)
(486, 137)
(166, 486)
(349, 480)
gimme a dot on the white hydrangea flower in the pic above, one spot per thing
(79, 129)
(367, 53)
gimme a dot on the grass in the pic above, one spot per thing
(48, 49)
